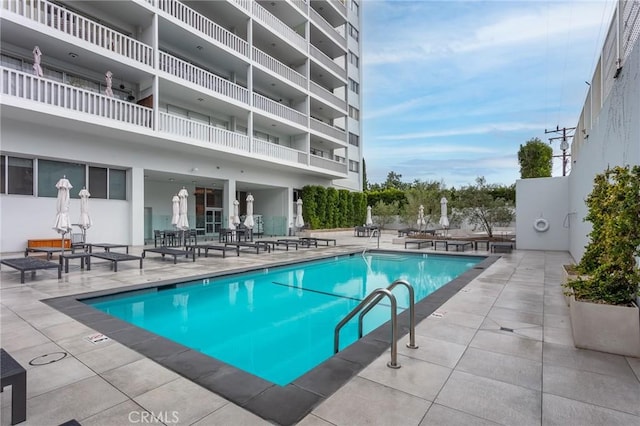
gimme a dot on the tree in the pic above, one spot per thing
(393, 181)
(481, 209)
(535, 159)
(385, 213)
(365, 183)
(426, 194)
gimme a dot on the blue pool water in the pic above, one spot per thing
(278, 323)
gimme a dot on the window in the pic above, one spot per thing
(117, 184)
(354, 166)
(316, 152)
(107, 183)
(354, 33)
(17, 176)
(354, 86)
(354, 113)
(49, 172)
(266, 137)
(98, 182)
(354, 60)
(355, 7)
(354, 139)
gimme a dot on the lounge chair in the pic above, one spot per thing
(320, 240)
(164, 251)
(302, 242)
(24, 264)
(14, 375)
(116, 257)
(258, 245)
(215, 247)
(277, 243)
(418, 243)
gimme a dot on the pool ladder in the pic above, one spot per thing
(369, 303)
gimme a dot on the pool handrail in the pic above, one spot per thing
(412, 312)
(375, 294)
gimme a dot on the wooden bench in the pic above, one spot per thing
(14, 375)
(24, 264)
(419, 243)
(164, 251)
(207, 247)
(115, 257)
(84, 258)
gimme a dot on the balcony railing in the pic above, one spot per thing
(316, 54)
(278, 152)
(279, 68)
(300, 4)
(204, 25)
(61, 19)
(323, 93)
(278, 26)
(332, 32)
(325, 163)
(49, 92)
(218, 138)
(277, 109)
(328, 130)
(191, 73)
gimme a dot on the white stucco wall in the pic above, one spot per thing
(545, 198)
(613, 140)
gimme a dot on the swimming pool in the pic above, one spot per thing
(284, 405)
(278, 323)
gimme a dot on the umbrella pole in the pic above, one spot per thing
(62, 243)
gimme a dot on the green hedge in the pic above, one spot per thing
(326, 208)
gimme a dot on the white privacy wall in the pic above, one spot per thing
(546, 198)
(613, 139)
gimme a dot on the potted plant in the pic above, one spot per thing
(603, 310)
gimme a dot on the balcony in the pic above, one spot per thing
(278, 152)
(327, 96)
(279, 68)
(277, 109)
(277, 26)
(81, 28)
(70, 98)
(217, 138)
(198, 76)
(323, 59)
(325, 163)
(328, 130)
(204, 25)
(330, 31)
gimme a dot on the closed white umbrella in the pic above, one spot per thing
(85, 220)
(369, 221)
(299, 218)
(248, 221)
(444, 220)
(183, 220)
(234, 220)
(63, 224)
(421, 222)
(176, 210)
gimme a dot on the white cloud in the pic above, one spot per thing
(477, 130)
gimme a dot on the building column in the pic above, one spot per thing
(229, 196)
(136, 204)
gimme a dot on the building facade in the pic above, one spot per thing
(137, 99)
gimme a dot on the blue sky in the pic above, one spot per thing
(452, 88)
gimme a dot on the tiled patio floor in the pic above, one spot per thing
(470, 367)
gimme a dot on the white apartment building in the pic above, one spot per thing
(136, 99)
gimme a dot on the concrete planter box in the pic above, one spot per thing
(605, 328)
(568, 274)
